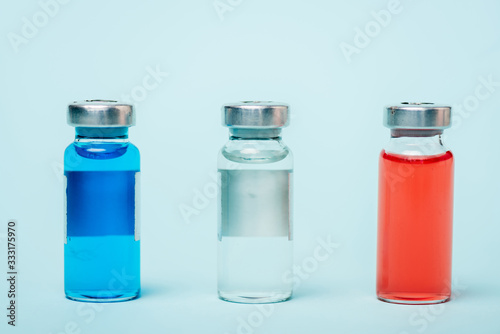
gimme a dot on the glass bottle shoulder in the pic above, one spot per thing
(102, 156)
(416, 147)
(255, 154)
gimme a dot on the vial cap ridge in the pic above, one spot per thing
(100, 113)
(255, 114)
(417, 115)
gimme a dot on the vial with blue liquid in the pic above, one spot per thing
(102, 223)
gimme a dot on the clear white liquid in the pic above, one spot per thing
(255, 240)
(254, 268)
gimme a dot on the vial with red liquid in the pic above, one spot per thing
(415, 208)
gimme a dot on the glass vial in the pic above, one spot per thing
(415, 209)
(102, 173)
(255, 205)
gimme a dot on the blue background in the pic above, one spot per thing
(289, 51)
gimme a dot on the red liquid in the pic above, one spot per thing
(415, 216)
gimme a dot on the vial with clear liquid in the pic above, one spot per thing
(255, 205)
(102, 174)
(415, 209)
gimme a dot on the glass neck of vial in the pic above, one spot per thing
(424, 142)
(254, 134)
(101, 134)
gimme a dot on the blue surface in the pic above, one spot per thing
(441, 51)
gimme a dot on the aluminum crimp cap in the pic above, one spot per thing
(417, 115)
(100, 113)
(255, 114)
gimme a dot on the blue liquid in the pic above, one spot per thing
(102, 253)
(102, 268)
